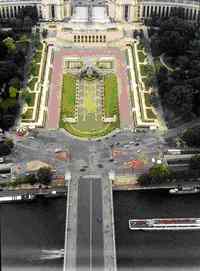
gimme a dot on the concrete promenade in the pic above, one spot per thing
(126, 120)
(89, 236)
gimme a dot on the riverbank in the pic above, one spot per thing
(127, 183)
(31, 194)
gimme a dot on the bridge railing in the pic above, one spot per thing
(173, 2)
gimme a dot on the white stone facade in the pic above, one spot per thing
(117, 10)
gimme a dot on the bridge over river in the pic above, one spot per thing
(89, 236)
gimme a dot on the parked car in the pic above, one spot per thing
(31, 137)
(57, 150)
(126, 146)
(4, 175)
(2, 160)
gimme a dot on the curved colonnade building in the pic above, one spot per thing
(116, 10)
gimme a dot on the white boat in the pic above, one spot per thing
(17, 198)
(182, 190)
(52, 254)
(165, 224)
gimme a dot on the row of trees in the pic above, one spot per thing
(13, 50)
(192, 137)
(159, 174)
(14, 47)
(178, 42)
(6, 147)
(42, 176)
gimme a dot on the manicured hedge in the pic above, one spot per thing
(68, 95)
(110, 95)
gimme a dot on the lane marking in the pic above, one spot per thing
(90, 225)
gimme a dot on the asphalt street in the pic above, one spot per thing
(145, 146)
(90, 248)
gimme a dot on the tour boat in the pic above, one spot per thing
(17, 198)
(165, 224)
(181, 190)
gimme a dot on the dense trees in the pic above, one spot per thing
(6, 147)
(195, 163)
(14, 46)
(10, 45)
(31, 178)
(178, 42)
(27, 96)
(157, 174)
(192, 137)
(41, 177)
(44, 175)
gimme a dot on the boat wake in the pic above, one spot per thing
(52, 254)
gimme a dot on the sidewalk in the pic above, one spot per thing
(132, 184)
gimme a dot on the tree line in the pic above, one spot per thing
(178, 42)
(14, 48)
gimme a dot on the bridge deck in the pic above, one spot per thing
(89, 237)
(90, 250)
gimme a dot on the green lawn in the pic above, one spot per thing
(140, 46)
(90, 133)
(145, 69)
(147, 99)
(146, 82)
(110, 95)
(32, 99)
(89, 124)
(28, 114)
(35, 69)
(37, 57)
(40, 46)
(89, 102)
(32, 83)
(68, 95)
(141, 56)
(73, 64)
(105, 64)
(150, 114)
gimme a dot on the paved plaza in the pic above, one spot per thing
(54, 105)
(42, 147)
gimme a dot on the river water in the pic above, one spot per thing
(159, 250)
(33, 234)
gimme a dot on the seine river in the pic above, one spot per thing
(164, 250)
(33, 234)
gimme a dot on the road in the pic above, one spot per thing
(89, 241)
(144, 147)
(89, 157)
(90, 248)
(42, 147)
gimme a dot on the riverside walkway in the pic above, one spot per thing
(89, 236)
